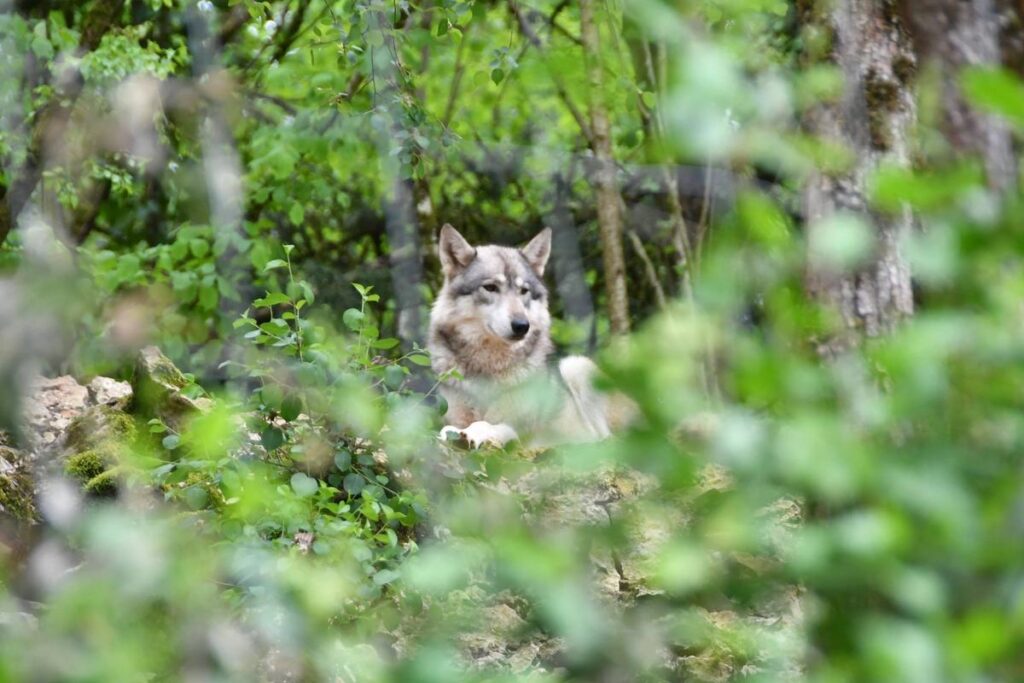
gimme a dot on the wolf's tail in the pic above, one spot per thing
(578, 375)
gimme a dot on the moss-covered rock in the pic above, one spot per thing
(95, 445)
(99, 425)
(17, 498)
(86, 465)
(158, 386)
(104, 485)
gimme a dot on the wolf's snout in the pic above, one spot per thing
(520, 327)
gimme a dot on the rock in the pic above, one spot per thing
(158, 386)
(50, 407)
(556, 498)
(110, 392)
(99, 427)
(503, 640)
(85, 424)
(17, 494)
(95, 447)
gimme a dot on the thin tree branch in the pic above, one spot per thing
(649, 269)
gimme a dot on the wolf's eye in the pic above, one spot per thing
(524, 290)
(491, 287)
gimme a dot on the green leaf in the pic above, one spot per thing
(272, 299)
(171, 441)
(353, 319)
(275, 263)
(272, 438)
(385, 576)
(386, 343)
(343, 459)
(209, 297)
(420, 359)
(199, 247)
(996, 90)
(304, 485)
(394, 375)
(297, 213)
(497, 75)
(291, 407)
(893, 187)
(41, 47)
(196, 497)
(354, 483)
(272, 395)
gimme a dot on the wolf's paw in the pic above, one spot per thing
(479, 434)
(449, 434)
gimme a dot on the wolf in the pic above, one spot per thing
(490, 344)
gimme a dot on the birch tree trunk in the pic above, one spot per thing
(873, 120)
(953, 35)
(609, 217)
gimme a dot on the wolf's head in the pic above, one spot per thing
(491, 314)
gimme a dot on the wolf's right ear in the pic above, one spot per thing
(455, 252)
(538, 251)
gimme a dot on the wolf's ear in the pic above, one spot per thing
(455, 252)
(538, 251)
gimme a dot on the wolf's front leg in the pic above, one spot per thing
(481, 434)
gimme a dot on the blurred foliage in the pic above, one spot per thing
(773, 517)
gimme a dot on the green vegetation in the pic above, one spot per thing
(807, 215)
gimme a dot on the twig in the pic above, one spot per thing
(652, 273)
(453, 93)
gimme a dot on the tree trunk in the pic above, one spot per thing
(873, 119)
(953, 35)
(405, 258)
(609, 217)
(401, 220)
(1011, 36)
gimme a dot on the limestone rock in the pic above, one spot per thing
(158, 386)
(110, 392)
(50, 407)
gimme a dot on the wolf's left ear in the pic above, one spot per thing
(538, 251)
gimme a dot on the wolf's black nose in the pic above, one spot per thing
(520, 328)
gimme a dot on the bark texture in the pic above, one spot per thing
(873, 119)
(953, 35)
(609, 217)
